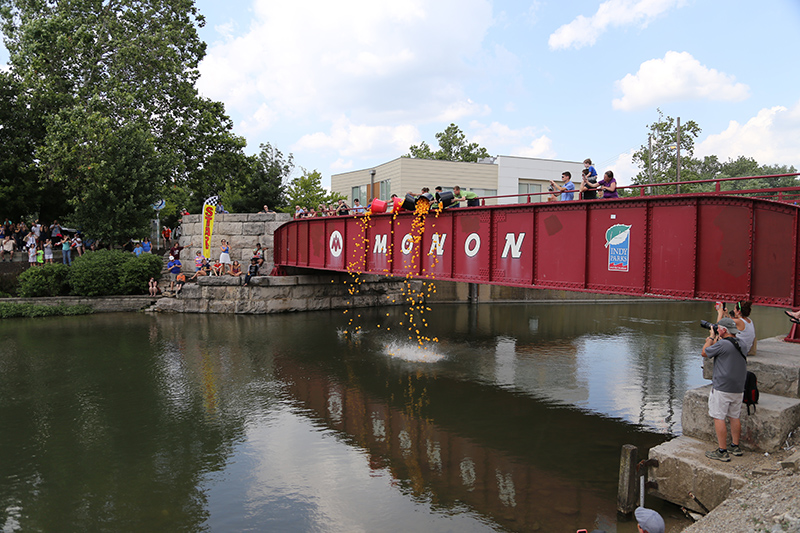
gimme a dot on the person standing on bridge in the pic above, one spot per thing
(727, 386)
(469, 196)
(568, 189)
(609, 185)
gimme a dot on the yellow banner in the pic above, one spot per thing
(208, 227)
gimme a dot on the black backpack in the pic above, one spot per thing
(750, 383)
(750, 392)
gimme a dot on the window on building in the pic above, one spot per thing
(526, 188)
(359, 192)
(486, 192)
(386, 189)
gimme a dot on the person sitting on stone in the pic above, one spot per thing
(204, 270)
(251, 271)
(236, 269)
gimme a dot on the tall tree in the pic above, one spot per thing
(453, 146)
(129, 62)
(663, 160)
(307, 191)
(264, 184)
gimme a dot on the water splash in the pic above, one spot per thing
(413, 352)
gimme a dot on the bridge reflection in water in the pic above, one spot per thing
(487, 434)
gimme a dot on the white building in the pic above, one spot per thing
(509, 176)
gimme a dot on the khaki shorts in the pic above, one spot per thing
(724, 404)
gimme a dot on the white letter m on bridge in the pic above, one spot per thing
(380, 244)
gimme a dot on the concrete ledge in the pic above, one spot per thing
(100, 304)
(765, 430)
(219, 281)
(777, 366)
(683, 468)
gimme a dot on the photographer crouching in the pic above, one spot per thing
(727, 385)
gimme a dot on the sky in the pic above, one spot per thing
(349, 85)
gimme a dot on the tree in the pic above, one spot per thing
(110, 174)
(453, 146)
(126, 62)
(265, 183)
(663, 161)
(307, 191)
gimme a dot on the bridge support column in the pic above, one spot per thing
(473, 293)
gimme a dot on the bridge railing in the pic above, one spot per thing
(782, 194)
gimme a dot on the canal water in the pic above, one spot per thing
(512, 422)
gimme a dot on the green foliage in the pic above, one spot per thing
(47, 280)
(92, 81)
(110, 272)
(110, 174)
(22, 310)
(136, 271)
(663, 160)
(263, 185)
(453, 146)
(307, 191)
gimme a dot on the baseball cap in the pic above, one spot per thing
(728, 324)
(649, 520)
(172, 258)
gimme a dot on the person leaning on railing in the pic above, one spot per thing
(609, 185)
(469, 196)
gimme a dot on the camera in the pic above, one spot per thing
(710, 326)
(551, 188)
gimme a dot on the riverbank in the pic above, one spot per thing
(100, 304)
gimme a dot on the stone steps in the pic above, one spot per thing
(683, 465)
(763, 430)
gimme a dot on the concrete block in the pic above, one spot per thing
(218, 281)
(777, 366)
(683, 468)
(226, 228)
(279, 281)
(253, 228)
(792, 462)
(764, 430)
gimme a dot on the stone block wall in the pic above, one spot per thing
(241, 230)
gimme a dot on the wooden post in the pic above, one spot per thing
(626, 494)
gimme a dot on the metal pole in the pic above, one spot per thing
(679, 155)
(650, 162)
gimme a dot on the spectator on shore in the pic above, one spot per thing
(152, 287)
(66, 250)
(55, 231)
(31, 256)
(251, 271)
(180, 283)
(176, 248)
(258, 254)
(77, 243)
(225, 257)
(176, 234)
(39, 255)
(147, 246)
(649, 521)
(236, 269)
(166, 233)
(198, 261)
(174, 267)
(48, 251)
(8, 248)
(267, 209)
(138, 250)
(204, 270)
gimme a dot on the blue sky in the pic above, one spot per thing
(351, 84)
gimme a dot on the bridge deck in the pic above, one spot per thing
(703, 246)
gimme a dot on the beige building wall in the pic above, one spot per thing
(410, 175)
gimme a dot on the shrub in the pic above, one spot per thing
(111, 272)
(137, 271)
(47, 280)
(15, 310)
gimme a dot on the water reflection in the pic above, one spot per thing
(164, 423)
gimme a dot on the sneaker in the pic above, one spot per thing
(718, 455)
(734, 449)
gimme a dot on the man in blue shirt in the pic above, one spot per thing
(567, 190)
(174, 267)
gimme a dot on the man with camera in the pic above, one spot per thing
(567, 190)
(727, 386)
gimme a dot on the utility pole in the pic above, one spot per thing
(650, 162)
(679, 155)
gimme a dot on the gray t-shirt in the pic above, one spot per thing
(730, 367)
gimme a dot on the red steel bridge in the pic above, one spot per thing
(722, 245)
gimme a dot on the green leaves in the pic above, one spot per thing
(453, 146)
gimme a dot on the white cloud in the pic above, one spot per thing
(5, 68)
(499, 138)
(772, 137)
(377, 61)
(584, 31)
(678, 76)
(623, 168)
(360, 140)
